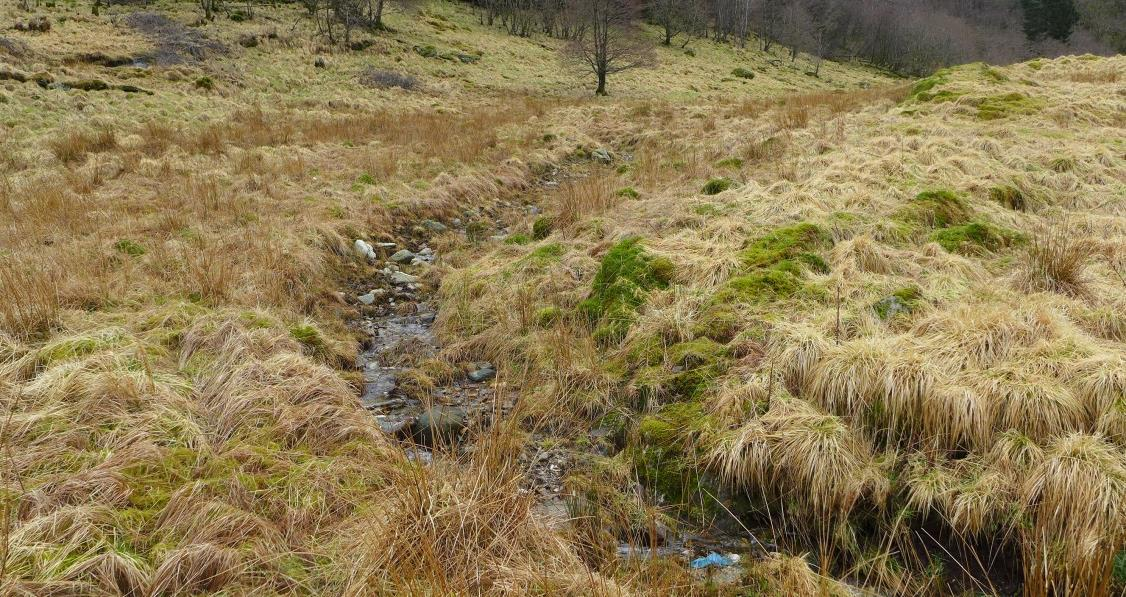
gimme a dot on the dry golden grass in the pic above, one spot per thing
(175, 417)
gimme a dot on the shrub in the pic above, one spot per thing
(542, 227)
(386, 79)
(129, 247)
(426, 51)
(716, 186)
(1056, 262)
(628, 193)
(743, 73)
(205, 82)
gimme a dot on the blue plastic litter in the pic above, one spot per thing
(712, 559)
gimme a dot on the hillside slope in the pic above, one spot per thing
(180, 310)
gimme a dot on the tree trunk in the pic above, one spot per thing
(601, 83)
(377, 18)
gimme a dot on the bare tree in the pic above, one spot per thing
(611, 43)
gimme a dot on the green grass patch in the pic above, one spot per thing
(743, 73)
(627, 193)
(730, 163)
(517, 239)
(129, 247)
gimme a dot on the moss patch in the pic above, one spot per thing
(1010, 104)
(624, 279)
(716, 186)
(666, 457)
(939, 208)
(1009, 196)
(798, 241)
(976, 238)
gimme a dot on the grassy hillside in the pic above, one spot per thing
(178, 312)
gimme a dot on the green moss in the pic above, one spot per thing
(129, 247)
(1009, 196)
(743, 73)
(904, 300)
(544, 255)
(730, 163)
(623, 281)
(698, 363)
(365, 179)
(993, 74)
(308, 335)
(542, 227)
(798, 241)
(548, 316)
(976, 237)
(627, 193)
(923, 86)
(938, 208)
(665, 455)
(719, 322)
(716, 186)
(1010, 104)
(780, 281)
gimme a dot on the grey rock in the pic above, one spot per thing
(534, 210)
(426, 251)
(402, 256)
(891, 306)
(440, 422)
(434, 226)
(403, 278)
(456, 222)
(367, 299)
(602, 155)
(364, 248)
(482, 374)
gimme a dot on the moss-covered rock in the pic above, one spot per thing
(798, 241)
(666, 455)
(901, 302)
(976, 238)
(938, 208)
(624, 279)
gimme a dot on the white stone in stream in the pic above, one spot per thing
(402, 256)
(363, 248)
(403, 278)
